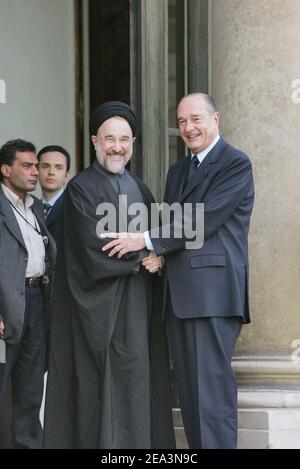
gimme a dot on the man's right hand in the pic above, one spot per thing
(1, 327)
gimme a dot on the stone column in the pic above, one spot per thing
(255, 48)
(149, 90)
(197, 60)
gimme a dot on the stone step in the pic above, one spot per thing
(177, 418)
(181, 442)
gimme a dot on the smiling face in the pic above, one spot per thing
(22, 176)
(198, 124)
(114, 144)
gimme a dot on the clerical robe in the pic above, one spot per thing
(108, 377)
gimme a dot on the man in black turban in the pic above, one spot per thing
(112, 109)
(108, 366)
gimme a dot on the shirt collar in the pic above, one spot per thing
(15, 199)
(54, 198)
(205, 152)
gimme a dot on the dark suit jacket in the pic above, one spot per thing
(13, 263)
(53, 221)
(213, 280)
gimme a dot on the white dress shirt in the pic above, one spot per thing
(33, 241)
(54, 198)
(205, 152)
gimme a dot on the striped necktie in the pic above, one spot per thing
(47, 208)
(193, 165)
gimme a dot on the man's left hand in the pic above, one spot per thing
(153, 263)
(123, 243)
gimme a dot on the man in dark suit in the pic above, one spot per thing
(54, 167)
(207, 299)
(27, 256)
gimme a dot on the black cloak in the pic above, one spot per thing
(108, 378)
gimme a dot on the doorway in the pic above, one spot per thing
(106, 42)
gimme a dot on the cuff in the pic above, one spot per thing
(148, 242)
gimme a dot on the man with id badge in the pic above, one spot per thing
(27, 256)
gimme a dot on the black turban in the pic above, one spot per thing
(112, 109)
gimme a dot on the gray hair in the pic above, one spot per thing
(210, 102)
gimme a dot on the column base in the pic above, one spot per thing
(268, 403)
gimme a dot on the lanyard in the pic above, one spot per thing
(35, 228)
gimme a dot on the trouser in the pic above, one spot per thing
(201, 351)
(25, 365)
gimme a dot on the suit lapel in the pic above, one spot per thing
(50, 247)
(198, 177)
(182, 176)
(204, 169)
(9, 219)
